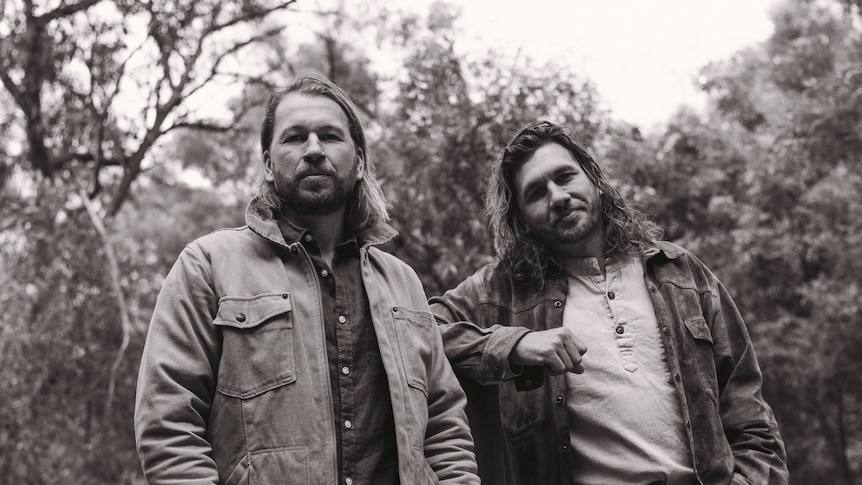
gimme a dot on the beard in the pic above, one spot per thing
(316, 197)
(578, 227)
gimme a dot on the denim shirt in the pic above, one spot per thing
(519, 419)
(234, 386)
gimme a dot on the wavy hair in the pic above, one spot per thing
(367, 206)
(626, 231)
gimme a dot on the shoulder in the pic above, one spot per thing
(675, 263)
(222, 240)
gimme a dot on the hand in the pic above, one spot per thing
(557, 348)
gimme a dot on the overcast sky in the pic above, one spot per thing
(642, 54)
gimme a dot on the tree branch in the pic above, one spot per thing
(125, 321)
(65, 10)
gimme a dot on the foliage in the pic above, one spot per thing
(765, 188)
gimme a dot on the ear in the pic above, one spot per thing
(267, 166)
(360, 164)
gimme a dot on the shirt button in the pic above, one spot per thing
(560, 400)
(345, 370)
(342, 319)
(665, 330)
(294, 250)
(348, 481)
(558, 303)
(324, 273)
(240, 317)
(528, 382)
(564, 449)
(284, 295)
(307, 237)
(611, 295)
(620, 330)
(348, 424)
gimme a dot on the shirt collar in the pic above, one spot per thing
(284, 232)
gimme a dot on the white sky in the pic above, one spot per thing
(642, 54)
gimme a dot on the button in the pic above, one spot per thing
(284, 295)
(324, 273)
(345, 370)
(677, 377)
(611, 295)
(307, 237)
(665, 330)
(560, 400)
(558, 303)
(294, 250)
(240, 317)
(348, 481)
(342, 319)
(564, 449)
(620, 330)
(348, 424)
(528, 382)
(687, 423)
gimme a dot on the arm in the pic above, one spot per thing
(475, 350)
(748, 421)
(448, 442)
(176, 381)
(496, 353)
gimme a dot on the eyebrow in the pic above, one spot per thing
(533, 184)
(305, 129)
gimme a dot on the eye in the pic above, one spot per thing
(565, 177)
(330, 137)
(294, 138)
(532, 195)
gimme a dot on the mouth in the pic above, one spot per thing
(566, 218)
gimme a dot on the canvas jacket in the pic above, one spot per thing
(521, 425)
(234, 385)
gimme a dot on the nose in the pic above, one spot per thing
(313, 151)
(559, 197)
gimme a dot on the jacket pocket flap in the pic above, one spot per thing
(699, 329)
(251, 311)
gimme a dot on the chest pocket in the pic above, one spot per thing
(257, 344)
(415, 330)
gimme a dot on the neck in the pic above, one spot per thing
(328, 229)
(590, 247)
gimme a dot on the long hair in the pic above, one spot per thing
(626, 231)
(367, 206)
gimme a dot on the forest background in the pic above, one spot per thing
(111, 159)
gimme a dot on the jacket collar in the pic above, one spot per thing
(268, 228)
(668, 249)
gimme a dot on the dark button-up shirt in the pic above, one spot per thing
(365, 429)
(521, 425)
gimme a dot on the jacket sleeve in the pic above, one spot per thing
(749, 423)
(448, 442)
(476, 350)
(176, 381)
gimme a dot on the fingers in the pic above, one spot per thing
(574, 349)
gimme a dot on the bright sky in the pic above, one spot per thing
(642, 54)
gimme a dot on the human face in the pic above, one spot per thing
(312, 160)
(558, 202)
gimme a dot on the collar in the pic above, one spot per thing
(270, 229)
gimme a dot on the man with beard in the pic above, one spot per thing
(591, 351)
(293, 350)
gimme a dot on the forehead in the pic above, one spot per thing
(545, 162)
(299, 111)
